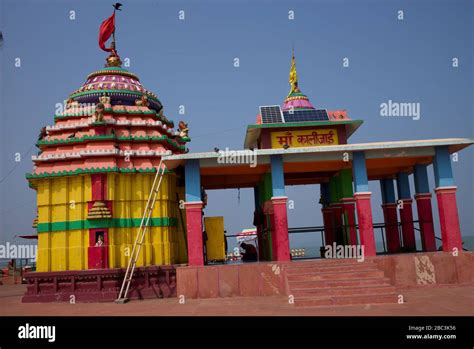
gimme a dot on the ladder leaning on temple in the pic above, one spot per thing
(155, 188)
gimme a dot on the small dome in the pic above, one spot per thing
(296, 100)
(118, 83)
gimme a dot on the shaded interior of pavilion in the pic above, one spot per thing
(343, 174)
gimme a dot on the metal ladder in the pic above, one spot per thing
(122, 298)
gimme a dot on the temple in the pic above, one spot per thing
(93, 177)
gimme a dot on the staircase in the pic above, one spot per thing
(338, 282)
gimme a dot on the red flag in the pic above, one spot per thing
(106, 29)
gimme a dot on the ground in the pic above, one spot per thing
(435, 301)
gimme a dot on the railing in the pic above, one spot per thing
(436, 237)
(380, 227)
(377, 227)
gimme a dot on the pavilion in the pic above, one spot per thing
(298, 144)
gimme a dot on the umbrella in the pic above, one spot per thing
(247, 235)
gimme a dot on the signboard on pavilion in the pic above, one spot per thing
(304, 138)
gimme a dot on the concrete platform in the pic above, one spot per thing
(430, 300)
(402, 271)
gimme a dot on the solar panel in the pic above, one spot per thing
(271, 114)
(306, 115)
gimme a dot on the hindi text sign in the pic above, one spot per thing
(304, 138)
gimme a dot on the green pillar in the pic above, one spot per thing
(346, 192)
(340, 188)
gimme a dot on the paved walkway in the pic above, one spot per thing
(453, 300)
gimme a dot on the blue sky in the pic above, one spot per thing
(190, 63)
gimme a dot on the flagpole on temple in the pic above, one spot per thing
(107, 30)
(116, 7)
(113, 38)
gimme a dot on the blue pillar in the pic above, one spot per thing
(192, 181)
(194, 235)
(388, 191)
(403, 186)
(359, 172)
(256, 197)
(325, 194)
(442, 167)
(280, 240)
(363, 204)
(421, 179)
(278, 179)
(390, 215)
(406, 212)
(446, 197)
(423, 204)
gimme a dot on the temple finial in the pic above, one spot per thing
(293, 75)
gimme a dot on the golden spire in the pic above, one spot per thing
(293, 75)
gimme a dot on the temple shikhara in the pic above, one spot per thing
(114, 177)
(94, 166)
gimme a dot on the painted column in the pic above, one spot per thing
(193, 207)
(363, 205)
(446, 196)
(328, 214)
(281, 245)
(406, 212)
(257, 220)
(336, 222)
(389, 207)
(265, 196)
(423, 205)
(348, 205)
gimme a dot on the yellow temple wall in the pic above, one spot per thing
(63, 228)
(129, 194)
(62, 200)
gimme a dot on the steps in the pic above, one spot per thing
(338, 282)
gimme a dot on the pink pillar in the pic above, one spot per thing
(364, 217)
(280, 241)
(328, 214)
(259, 221)
(391, 227)
(448, 218)
(408, 231)
(194, 233)
(348, 206)
(425, 218)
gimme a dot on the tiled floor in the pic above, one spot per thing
(451, 300)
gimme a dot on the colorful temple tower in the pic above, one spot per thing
(93, 175)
